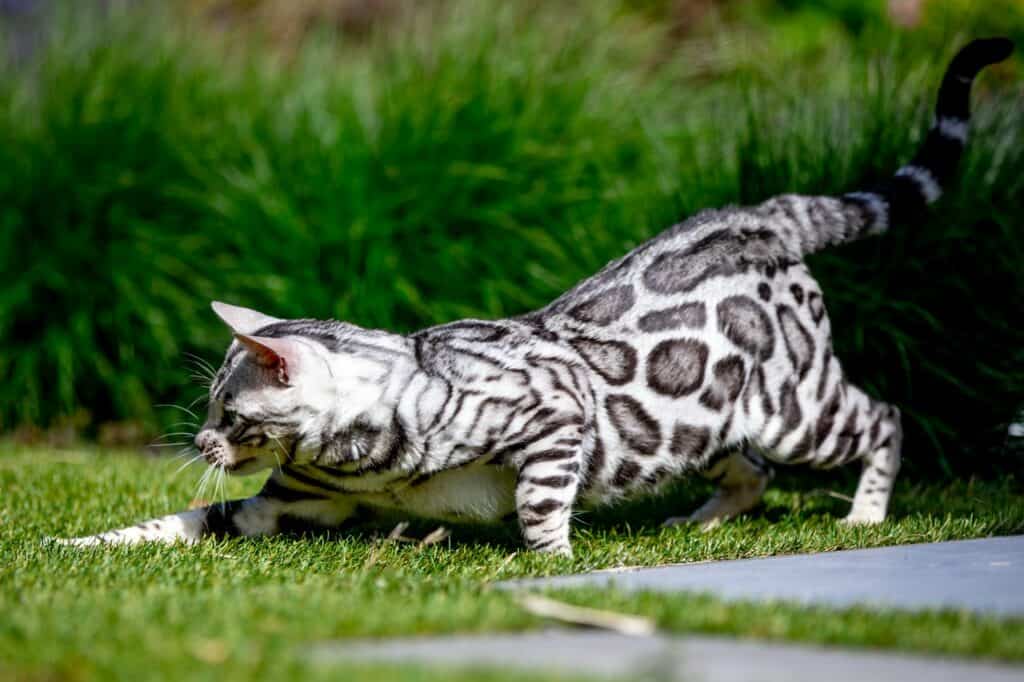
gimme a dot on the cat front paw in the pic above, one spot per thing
(706, 524)
(558, 549)
(863, 517)
(128, 536)
(89, 541)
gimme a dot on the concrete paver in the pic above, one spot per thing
(708, 659)
(983, 576)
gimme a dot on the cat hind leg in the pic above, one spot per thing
(844, 426)
(742, 476)
(880, 465)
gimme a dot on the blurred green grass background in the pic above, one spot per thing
(400, 164)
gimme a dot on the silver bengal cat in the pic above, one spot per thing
(706, 349)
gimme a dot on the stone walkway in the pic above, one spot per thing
(708, 659)
(984, 576)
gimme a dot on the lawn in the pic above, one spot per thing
(245, 609)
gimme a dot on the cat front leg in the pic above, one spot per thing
(275, 509)
(546, 490)
(187, 527)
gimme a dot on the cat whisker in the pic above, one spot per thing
(201, 377)
(280, 447)
(178, 407)
(202, 396)
(203, 483)
(176, 444)
(200, 362)
(220, 491)
(185, 450)
(173, 434)
(185, 465)
(201, 366)
(197, 365)
(181, 439)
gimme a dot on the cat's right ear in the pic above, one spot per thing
(279, 355)
(242, 320)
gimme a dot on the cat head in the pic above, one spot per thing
(288, 387)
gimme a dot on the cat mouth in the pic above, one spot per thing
(246, 466)
(235, 466)
(222, 463)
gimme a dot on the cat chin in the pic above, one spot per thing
(247, 467)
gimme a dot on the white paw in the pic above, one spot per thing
(557, 550)
(863, 517)
(725, 504)
(114, 537)
(720, 508)
(706, 524)
(90, 541)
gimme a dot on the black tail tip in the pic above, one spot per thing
(978, 54)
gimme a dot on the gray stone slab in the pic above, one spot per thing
(983, 576)
(709, 659)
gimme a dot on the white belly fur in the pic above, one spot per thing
(475, 493)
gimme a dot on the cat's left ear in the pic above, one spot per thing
(242, 320)
(281, 355)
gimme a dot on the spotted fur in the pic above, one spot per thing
(707, 349)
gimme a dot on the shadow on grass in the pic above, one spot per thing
(793, 496)
(796, 499)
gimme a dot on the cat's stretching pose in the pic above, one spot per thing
(702, 350)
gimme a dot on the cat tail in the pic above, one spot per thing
(920, 182)
(829, 221)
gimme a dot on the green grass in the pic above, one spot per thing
(478, 163)
(245, 609)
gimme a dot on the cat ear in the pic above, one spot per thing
(279, 355)
(242, 320)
